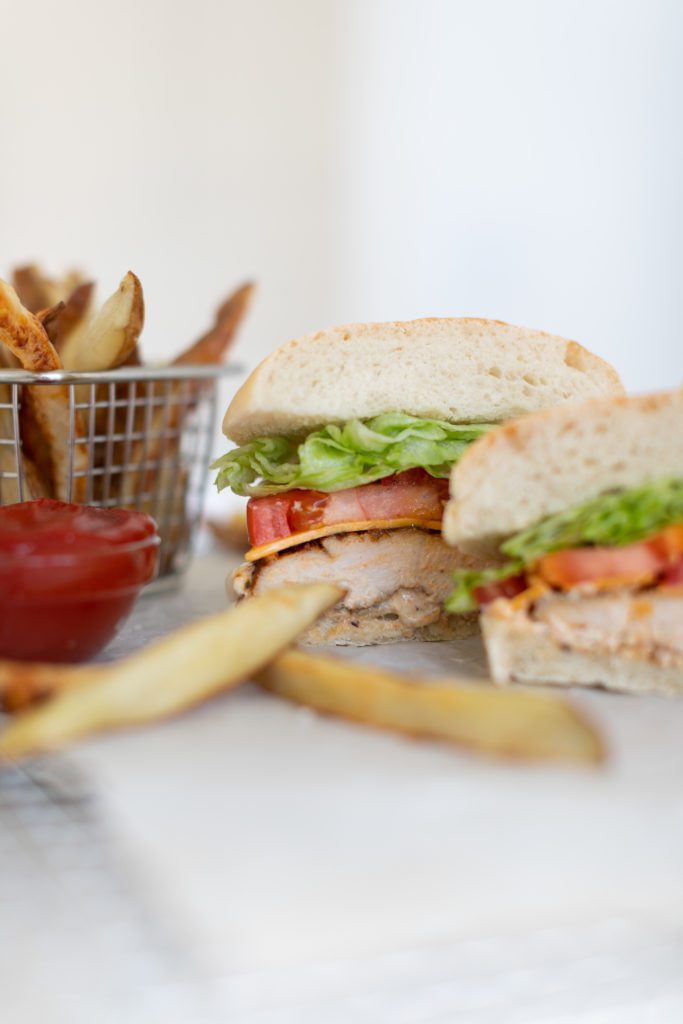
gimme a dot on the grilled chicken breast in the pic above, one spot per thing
(625, 639)
(396, 582)
(646, 625)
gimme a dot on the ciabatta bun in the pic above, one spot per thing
(523, 650)
(461, 370)
(544, 463)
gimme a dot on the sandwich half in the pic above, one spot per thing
(588, 585)
(346, 439)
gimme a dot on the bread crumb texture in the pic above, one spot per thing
(462, 370)
(544, 463)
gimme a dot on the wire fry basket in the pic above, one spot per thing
(136, 437)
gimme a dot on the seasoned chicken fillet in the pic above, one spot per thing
(396, 582)
(624, 639)
(646, 625)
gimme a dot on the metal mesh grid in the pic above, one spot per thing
(137, 439)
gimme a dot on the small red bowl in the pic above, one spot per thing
(69, 577)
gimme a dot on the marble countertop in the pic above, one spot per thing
(303, 869)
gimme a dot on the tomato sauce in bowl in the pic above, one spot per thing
(69, 577)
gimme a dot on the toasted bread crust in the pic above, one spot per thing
(460, 370)
(546, 462)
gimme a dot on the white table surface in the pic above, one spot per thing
(308, 870)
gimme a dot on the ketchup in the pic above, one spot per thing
(69, 577)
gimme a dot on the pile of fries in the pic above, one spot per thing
(55, 705)
(47, 325)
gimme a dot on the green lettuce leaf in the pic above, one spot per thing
(354, 453)
(620, 517)
(616, 518)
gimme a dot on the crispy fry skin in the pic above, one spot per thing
(192, 665)
(101, 342)
(210, 349)
(522, 725)
(24, 335)
(34, 448)
(37, 291)
(48, 406)
(32, 479)
(29, 285)
(110, 338)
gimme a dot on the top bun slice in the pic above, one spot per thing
(460, 370)
(522, 472)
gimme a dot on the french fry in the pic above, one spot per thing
(36, 291)
(191, 665)
(100, 342)
(210, 349)
(68, 316)
(29, 285)
(33, 486)
(24, 335)
(48, 406)
(49, 318)
(111, 336)
(509, 723)
(34, 449)
(9, 482)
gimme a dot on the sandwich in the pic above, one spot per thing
(587, 587)
(346, 439)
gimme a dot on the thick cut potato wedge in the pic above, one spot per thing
(510, 723)
(47, 406)
(191, 665)
(33, 486)
(31, 287)
(9, 482)
(210, 349)
(38, 291)
(24, 335)
(103, 342)
(110, 337)
(62, 320)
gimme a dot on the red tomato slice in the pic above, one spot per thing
(673, 576)
(309, 509)
(633, 563)
(267, 518)
(510, 587)
(413, 493)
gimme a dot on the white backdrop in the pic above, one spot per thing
(360, 158)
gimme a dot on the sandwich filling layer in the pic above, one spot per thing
(625, 540)
(341, 456)
(399, 577)
(388, 472)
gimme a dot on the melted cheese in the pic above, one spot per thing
(254, 554)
